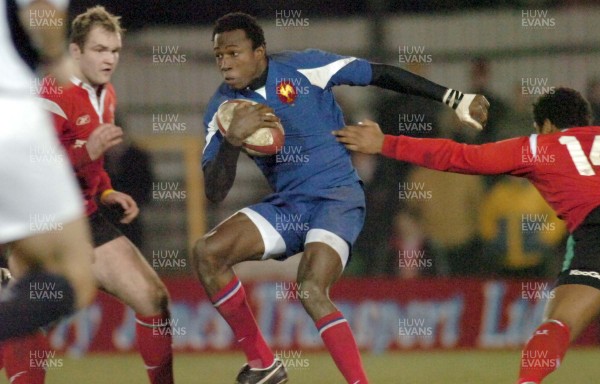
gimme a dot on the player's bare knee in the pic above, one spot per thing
(207, 258)
(156, 300)
(200, 256)
(311, 292)
(161, 298)
(201, 259)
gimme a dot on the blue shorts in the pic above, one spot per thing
(290, 219)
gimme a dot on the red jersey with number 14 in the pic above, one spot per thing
(563, 166)
(77, 111)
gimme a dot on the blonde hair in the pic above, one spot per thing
(97, 16)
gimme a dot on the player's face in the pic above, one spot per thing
(99, 57)
(238, 62)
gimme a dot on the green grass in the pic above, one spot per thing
(580, 367)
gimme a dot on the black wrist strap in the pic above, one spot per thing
(452, 98)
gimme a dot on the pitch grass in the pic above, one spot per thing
(463, 367)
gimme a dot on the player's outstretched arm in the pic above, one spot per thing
(471, 109)
(439, 154)
(366, 137)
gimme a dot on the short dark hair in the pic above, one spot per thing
(243, 21)
(565, 108)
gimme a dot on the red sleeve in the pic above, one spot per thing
(508, 156)
(105, 182)
(59, 108)
(78, 154)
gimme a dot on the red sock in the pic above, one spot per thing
(544, 351)
(154, 337)
(25, 359)
(338, 339)
(232, 305)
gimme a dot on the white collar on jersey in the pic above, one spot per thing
(80, 83)
(96, 101)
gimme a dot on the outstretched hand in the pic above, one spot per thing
(365, 137)
(473, 110)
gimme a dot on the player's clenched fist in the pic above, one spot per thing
(104, 137)
(130, 208)
(247, 119)
(366, 137)
(473, 110)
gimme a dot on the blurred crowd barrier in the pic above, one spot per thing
(385, 315)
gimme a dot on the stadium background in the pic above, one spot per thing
(480, 286)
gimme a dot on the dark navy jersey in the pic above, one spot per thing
(299, 89)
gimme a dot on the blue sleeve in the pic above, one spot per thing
(325, 69)
(213, 136)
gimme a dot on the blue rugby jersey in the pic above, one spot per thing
(311, 157)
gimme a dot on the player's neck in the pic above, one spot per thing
(84, 80)
(261, 79)
(97, 88)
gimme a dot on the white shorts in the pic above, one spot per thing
(38, 191)
(275, 244)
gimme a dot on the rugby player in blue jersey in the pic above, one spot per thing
(318, 204)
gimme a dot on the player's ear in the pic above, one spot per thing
(260, 51)
(75, 50)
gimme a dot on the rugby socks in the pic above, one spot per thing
(26, 358)
(155, 338)
(338, 339)
(35, 300)
(544, 351)
(232, 305)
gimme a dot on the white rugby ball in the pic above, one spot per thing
(263, 142)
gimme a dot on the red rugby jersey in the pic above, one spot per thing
(78, 110)
(563, 166)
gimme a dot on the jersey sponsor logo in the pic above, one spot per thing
(79, 143)
(286, 91)
(82, 120)
(576, 272)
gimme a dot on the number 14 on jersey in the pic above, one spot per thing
(583, 165)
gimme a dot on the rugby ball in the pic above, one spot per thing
(263, 142)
